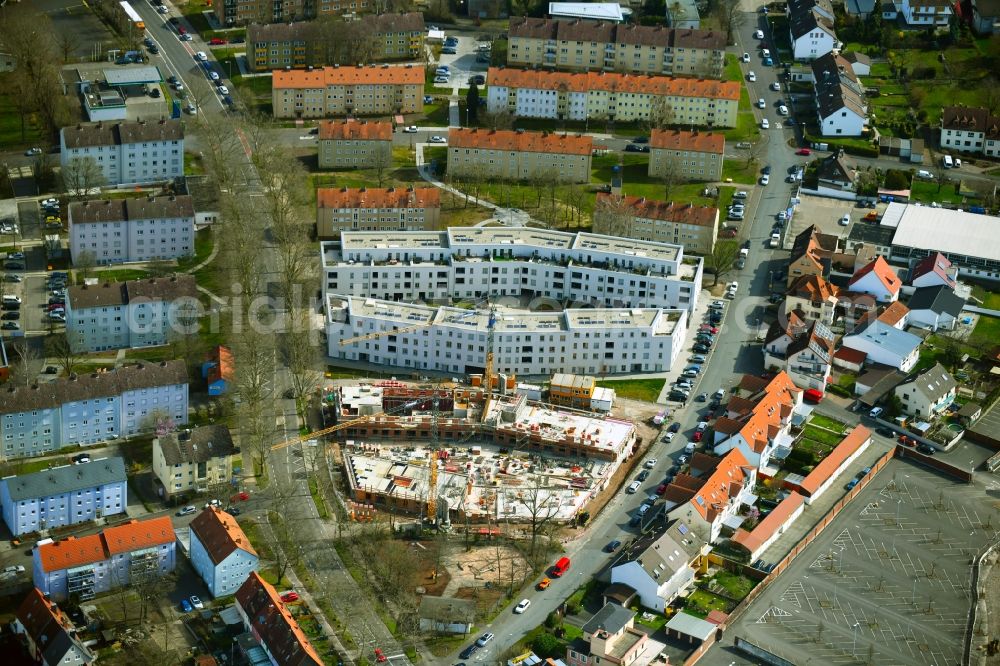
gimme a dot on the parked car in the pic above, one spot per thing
(187, 510)
(290, 596)
(484, 639)
(675, 427)
(216, 41)
(196, 602)
(612, 546)
(751, 77)
(186, 606)
(643, 475)
(544, 583)
(650, 464)
(469, 651)
(926, 449)
(30, 152)
(746, 57)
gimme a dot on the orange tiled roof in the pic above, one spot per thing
(894, 313)
(882, 270)
(827, 466)
(613, 82)
(770, 406)
(355, 130)
(701, 142)
(43, 622)
(702, 216)
(378, 197)
(814, 288)
(220, 534)
(71, 552)
(271, 621)
(767, 527)
(527, 142)
(223, 368)
(720, 486)
(136, 534)
(849, 355)
(321, 77)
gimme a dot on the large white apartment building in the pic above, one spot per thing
(85, 409)
(127, 152)
(473, 263)
(111, 231)
(448, 339)
(124, 315)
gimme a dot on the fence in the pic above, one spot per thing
(974, 611)
(963, 475)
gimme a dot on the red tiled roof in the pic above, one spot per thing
(716, 617)
(511, 140)
(355, 130)
(767, 527)
(274, 625)
(882, 270)
(827, 466)
(771, 405)
(378, 197)
(814, 287)
(136, 534)
(538, 79)
(700, 142)
(652, 209)
(849, 355)
(223, 368)
(36, 613)
(894, 313)
(321, 77)
(220, 534)
(720, 486)
(933, 263)
(71, 552)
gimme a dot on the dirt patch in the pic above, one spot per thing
(494, 566)
(486, 598)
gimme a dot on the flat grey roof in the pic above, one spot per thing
(132, 76)
(948, 231)
(689, 625)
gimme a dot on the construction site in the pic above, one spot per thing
(464, 455)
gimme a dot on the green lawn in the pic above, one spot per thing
(990, 299)
(927, 191)
(987, 330)
(732, 70)
(828, 423)
(436, 115)
(737, 586)
(10, 126)
(822, 436)
(647, 390)
(118, 274)
(738, 170)
(203, 244)
(700, 603)
(31, 466)
(746, 125)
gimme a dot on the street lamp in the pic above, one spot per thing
(854, 647)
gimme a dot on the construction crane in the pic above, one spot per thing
(488, 378)
(432, 472)
(341, 426)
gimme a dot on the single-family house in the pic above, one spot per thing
(933, 270)
(781, 334)
(758, 418)
(813, 298)
(218, 370)
(446, 615)
(767, 531)
(885, 344)
(878, 279)
(193, 461)
(935, 308)
(928, 393)
(825, 473)
(834, 174)
(812, 34)
(860, 63)
(925, 13)
(609, 637)
(812, 254)
(220, 552)
(809, 358)
(721, 494)
(664, 568)
(49, 633)
(271, 624)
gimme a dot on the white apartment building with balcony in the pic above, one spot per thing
(127, 152)
(115, 231)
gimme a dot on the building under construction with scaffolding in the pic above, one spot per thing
(501, 459)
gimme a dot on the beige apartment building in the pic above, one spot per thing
(347, 91)
(585, 45)
(686, 155)
(694, 227)
(519, 155)
(610, 96)
(376, 209)
(355, 143)
(242, 12)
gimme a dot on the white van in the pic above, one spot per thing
(925, 174)
(947, 161)
(11, 298)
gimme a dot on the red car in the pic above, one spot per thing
(57, 306)
(181, 30)
(803, 151)
(380, 656)
(289, 597)
(697, 436)
(216, 41)
(708, 329)
(660, 489)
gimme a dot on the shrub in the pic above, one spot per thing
(547, 645)
(839, 390)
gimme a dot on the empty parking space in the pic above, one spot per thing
(886, 583)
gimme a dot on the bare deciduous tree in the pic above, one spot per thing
(542, 506)
(82, 177)
(722, 258)
(497, 120)
(614, 217)
(381, 162)
(23, 356)
(64, 348)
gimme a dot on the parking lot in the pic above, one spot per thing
(823, 212)
(886, 583)
(463, 62)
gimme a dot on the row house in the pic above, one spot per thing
(840, 99)
(758, 418)
(970, 129)
(586, 45)
(810, 25)
(132, 314)
(376, 209)
(519, 155)
(86, 409)
(113, 231)
(694, 227)
(355, 144)
(714, 498)
(803, 350)
(663, 569)
(272, 625)
(125, 152)
(220, 552)
(681, 155)
(116, 557)
(928, 393)
(612, 96)
(193, 461)
(64, 495)
(347, 91)
(49, 633)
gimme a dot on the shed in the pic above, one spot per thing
(694, 629)
(619, 593)
(446, 615)
(969, 412)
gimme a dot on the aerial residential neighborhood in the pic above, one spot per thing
(473, 333)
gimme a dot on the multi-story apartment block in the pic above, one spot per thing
(919, 13)
(608, 96)
(90, 565)
(342, 91)
(220, 552)
(682, 155)
(297, 45)
(50, 634)
(126, 315)
(519, 155)
(110, 231)
(264, 615)
(64, 495)
(193, 460)
(85, 409)
(242, 12)
(353, 143)
(376, 209)
(694, 227)
(970, 129)
(127, 152)
(584, 45)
